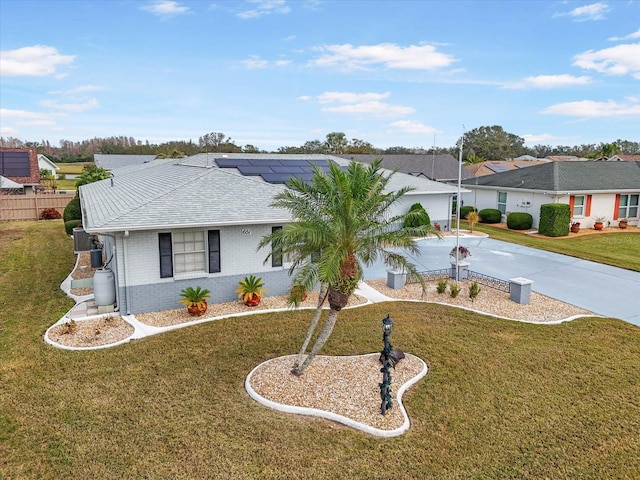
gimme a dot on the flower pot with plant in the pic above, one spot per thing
(251, 290)
(575, 226)
(599, 223)
(623, 223)
(195, 299)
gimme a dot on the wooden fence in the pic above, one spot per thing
(29, 207)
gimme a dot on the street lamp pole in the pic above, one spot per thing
(385, 386)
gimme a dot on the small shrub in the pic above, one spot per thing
(68, 327)
(473, 218)
(50, 214)
(73, 210)
(490, 215)
(519, 221)
(70, 225)
(417, 216)
(454, 290)
(442, 285)
(466, 210)
(474, 291)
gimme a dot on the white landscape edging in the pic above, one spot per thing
(336, 417)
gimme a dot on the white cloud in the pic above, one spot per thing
(37, 61)
(410, 126)
(165, 8)
(632, 36)
(282, 63)
(362, 104)
(254, 63)
(594, 11)
(71, 107)
(550, 81)
(265, 7)
(375, 109)
(77, 90)
(26, 118)
(349, 97)
(389, 55)
(305, 98)
(592, 109)
(618, 60)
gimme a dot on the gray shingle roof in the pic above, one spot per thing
(567, 176)
(193, 191)
(435, 167)
(112, 161)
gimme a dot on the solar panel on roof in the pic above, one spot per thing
(287, 169)
(295, 163)
(267, 161)
(498, 168)
(275, 177)
(231, 162)
(254, 170)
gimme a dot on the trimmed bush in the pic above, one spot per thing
(70, 225)
(555, 219)
(72, 211)
(466, 210)
(490, 215)
(50, 214)
(519, 221)
(417, 217)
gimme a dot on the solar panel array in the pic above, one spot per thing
(497, 168)
(274, 170)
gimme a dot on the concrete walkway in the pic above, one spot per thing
(608, 291)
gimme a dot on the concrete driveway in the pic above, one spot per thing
(608, 291)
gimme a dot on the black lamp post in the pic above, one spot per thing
(385, 386)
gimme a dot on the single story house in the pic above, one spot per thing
(196, 221)
(114, 161)
(592, 189)
(490, 167)
(45, 164)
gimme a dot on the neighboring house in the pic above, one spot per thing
(592, 189)
(20, 165)
(113, 162)
(45, 164)
(490, 167)
(440, 168)
(197, 221)
(6, 184)
(623, 158)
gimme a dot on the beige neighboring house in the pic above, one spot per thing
(491, 167)
(623, 158)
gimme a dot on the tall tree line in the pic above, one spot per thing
(483, 143)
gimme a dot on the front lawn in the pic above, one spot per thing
(501, 400)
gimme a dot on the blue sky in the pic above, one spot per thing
(274, 73)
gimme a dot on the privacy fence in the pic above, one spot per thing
(29, 207)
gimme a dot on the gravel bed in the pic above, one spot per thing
(347, 386)
(540, 309)
(91, 333)
(167, 318)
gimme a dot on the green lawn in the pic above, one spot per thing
(617, 249)
(72, 168)
(501, 400)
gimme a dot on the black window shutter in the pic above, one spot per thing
(166, 255)
(214, 251)
(276, 253)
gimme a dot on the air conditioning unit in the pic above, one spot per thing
(81, 240)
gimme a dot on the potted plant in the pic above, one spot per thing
(463, 252)
(623, 223)
(297, 294)
(575, 226)
(195, 299)
(251, 290)
(599, 223)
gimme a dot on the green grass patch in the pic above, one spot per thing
(502, 399)
(616, 249)
(72, 168)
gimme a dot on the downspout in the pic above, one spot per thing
(124, 271)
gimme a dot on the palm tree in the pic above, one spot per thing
(341, 221)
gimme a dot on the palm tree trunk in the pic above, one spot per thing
(320, 341)
(312, 328)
